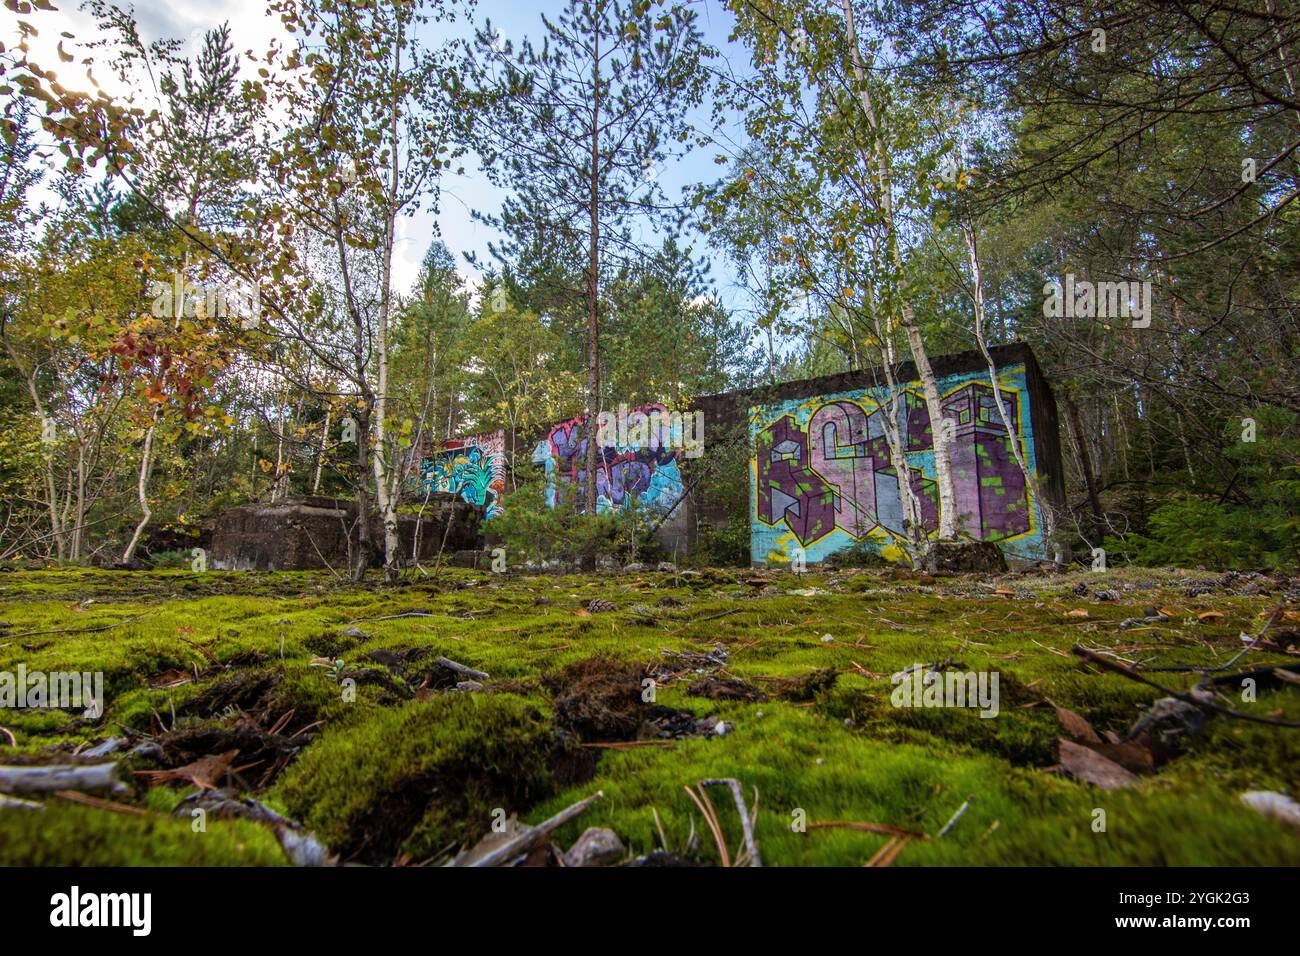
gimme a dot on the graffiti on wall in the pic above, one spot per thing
(823, 477)
(473, 468)
(648, 473)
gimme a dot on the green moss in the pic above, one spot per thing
(435, 770)
(383, 776)
(67, 834)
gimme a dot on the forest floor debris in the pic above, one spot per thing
(476, 701)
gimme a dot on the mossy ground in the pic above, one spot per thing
(367, 767)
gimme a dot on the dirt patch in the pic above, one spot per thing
(246, 691)
(599, 698)
(512, 685)
(334, 644)
(965, 557)
(262, 755)
(804, 687)
(398, 659)
(395, 690)
(726, 688)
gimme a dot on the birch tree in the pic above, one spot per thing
(378, 127)
(856, 166)
(577, 126)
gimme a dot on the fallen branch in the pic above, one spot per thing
(391, 617)
(1277, 612)
(95, 777)
(79, 630)
(629, 744)
(746, 822)
(935, 665)
(467, 672)
(299, 844)
(1131, 674)
(952, 821)
(884, 829)
(709, 617)
(109, 747)
(13, 803)
(1250, 645)
(888, 853)
(85, 799)
(1267, 675)
(528, 840)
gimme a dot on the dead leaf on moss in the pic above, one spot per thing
(1074, 725)
(203, 773)
(1088, 765)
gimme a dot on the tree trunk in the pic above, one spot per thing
(388, 472)
(142, 491)
(320, 459)
(593, 297)
(977, 281)
(930, 389)
(361, 560)
(913, 526)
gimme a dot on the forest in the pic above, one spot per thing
(301, 257)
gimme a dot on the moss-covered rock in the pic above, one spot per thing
(423, 776)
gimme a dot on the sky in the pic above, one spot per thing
(253, 29)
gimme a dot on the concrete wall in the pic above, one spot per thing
(854, 501)
(473, 467)
(315, 532)
(822, 477)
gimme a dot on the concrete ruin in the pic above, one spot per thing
(315, 532)
(812, 460)
(803, 466)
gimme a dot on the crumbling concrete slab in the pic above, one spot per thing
(316, 532)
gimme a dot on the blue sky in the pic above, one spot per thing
(473, 191)
(253, 29)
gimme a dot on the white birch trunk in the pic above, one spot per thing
(142, 492)
(929, 388)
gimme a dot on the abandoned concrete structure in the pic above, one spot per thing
(806, 464)
(805, 467)
(315, 532)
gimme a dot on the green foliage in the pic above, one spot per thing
(1187, 532)
(1254, 523)
(722, 475)
(860, 554)
(532, 531)
(725, 546)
